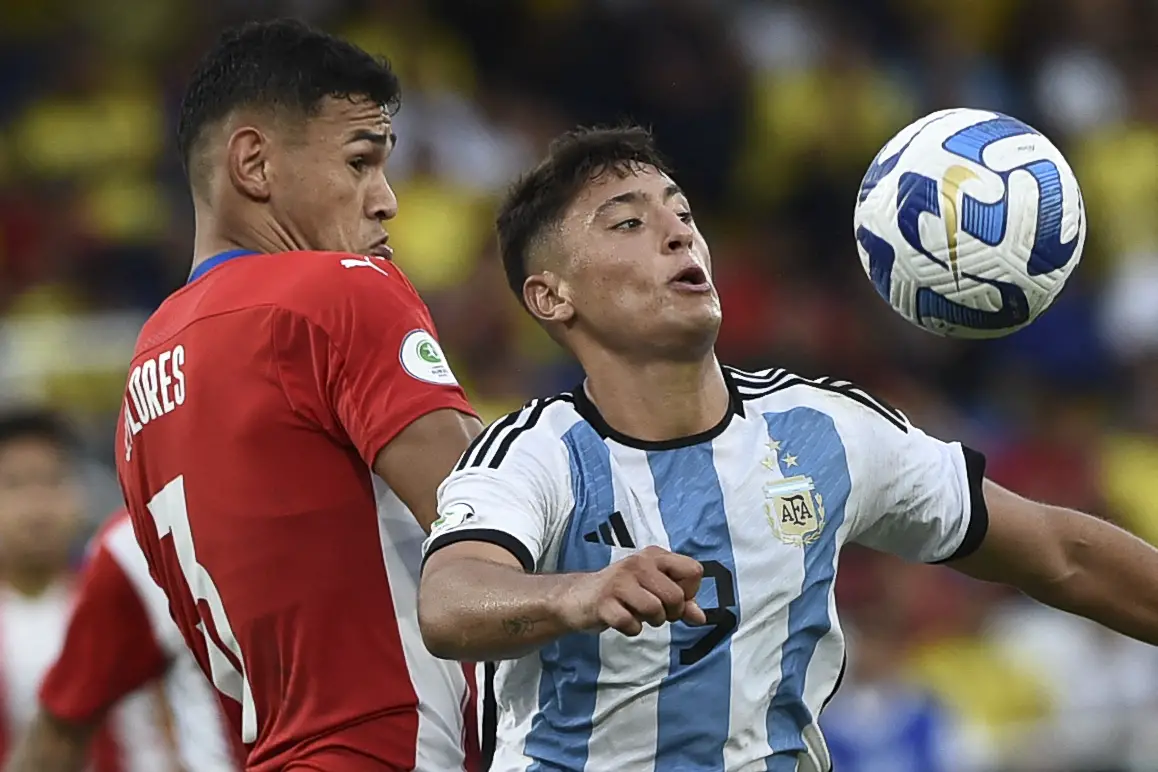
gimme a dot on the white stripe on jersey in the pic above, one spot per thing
(441, 686)
(198, 723)
(764, 502)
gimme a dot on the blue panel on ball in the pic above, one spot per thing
(880, 166)
(881, 256)
(971, 141)
(1049, 253)
(917, 194)
(984, 222)
(876, 172)
(1014, 309)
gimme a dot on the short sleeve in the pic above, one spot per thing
(109, 648)
(358, 353)
(518, 499)
(923, 498)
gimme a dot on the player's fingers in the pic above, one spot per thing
(644, 605)
(685, 571)
(693, 614)
(618, 617)
(670, 594)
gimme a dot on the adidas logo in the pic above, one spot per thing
(613, 532)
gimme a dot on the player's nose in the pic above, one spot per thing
(679, 235)
(381, 202)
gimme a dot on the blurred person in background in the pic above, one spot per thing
(265, 397)
(120, 638)
(40, 518)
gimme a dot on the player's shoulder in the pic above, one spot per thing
(313, 280)
(535, 432)
(112, 531)
(115, 536)
(778, 389)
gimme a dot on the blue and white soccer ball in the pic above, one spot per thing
(969, 222)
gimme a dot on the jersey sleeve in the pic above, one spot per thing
(923, 498)
(358, 353)
(516, 497)
(109, 648)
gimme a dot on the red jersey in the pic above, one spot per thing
(130, 737)
(119, 639)
(258, 398)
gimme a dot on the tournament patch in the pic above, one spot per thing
(422, 358)
(453, 516)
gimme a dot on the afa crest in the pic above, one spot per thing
(794, 509)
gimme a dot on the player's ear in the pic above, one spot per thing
(548, 297)
(248, 167)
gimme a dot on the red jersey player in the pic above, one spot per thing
(265, 395)
(118, 640)
(41, 509)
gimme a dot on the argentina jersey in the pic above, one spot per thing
(764, 501)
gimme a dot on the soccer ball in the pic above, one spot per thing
(968, 222)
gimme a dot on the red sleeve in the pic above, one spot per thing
(109, 649)
(362, 357)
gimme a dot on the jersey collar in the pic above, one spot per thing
(207, 265)
(586, 408)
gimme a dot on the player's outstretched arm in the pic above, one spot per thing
(1070, 561)
(476, 603)
(51, 745)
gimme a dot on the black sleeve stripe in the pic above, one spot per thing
(843, 388)
(979, 512)
(492, 446)
(760, 380)
(488, 535)
(482, 443)
(504, 446)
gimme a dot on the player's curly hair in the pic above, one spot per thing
(282, 63)
(538, 199)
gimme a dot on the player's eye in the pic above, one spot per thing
(359, 164)
(686, 217)
(629, 224)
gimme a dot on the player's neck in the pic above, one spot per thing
(30, 581)
(659, 401)
(214, 236)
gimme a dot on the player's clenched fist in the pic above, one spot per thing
(653, 586)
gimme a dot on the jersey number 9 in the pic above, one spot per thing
(720, 618)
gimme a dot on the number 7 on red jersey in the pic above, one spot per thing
(227, 668)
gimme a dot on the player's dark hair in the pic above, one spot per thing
(36, 424)
(538, 199)
(282, 63)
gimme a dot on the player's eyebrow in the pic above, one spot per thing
(634, 196)
(377, 137)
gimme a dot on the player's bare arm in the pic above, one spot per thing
(476, 602)
(1071, 561)
(422, 455)
(51, 745)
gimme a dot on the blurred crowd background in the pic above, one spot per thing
(771, 112)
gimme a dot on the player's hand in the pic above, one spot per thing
(652, 586)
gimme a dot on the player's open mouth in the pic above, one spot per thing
(692, 279)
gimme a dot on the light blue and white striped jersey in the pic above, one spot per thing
(764, 500)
